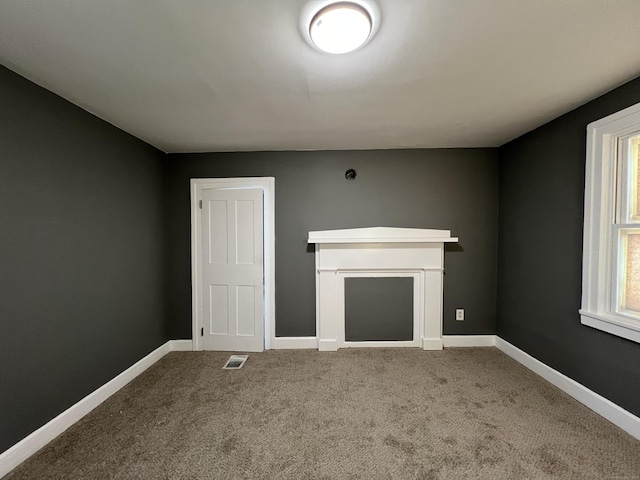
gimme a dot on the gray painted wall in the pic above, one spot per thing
(540, 254)
(81, 254)
(452, 189)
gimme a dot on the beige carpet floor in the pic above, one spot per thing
(353, 414)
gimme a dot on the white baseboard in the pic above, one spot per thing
(26, 447)
(290, 343)
(606, 408)
(180, 345)
(328, 345)
(285, 343)
(469, 340)
(295, 343)
(431, 343)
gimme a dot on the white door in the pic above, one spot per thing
(232, 270)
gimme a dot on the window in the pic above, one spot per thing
(611, 263)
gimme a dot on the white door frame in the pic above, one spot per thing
(267, 184)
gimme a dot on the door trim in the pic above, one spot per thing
(267, 184)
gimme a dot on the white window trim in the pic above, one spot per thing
(598, 269)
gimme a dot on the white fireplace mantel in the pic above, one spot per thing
(381, 235)
(380, 252)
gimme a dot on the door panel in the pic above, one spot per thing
(219, 309)
(245, 295)
(245, 235)
(232, 272)
(217, 245)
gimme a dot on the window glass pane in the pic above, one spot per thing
(631, 292)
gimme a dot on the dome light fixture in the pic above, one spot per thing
(341, 27)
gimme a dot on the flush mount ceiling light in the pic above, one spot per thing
(341, 27)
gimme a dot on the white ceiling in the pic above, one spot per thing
(222, 75)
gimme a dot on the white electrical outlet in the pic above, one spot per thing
(459, 314)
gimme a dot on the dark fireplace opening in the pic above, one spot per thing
(378, 309)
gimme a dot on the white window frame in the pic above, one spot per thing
(599, 274)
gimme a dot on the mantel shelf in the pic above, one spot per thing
(382, 235)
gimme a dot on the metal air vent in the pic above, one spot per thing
(235, 362)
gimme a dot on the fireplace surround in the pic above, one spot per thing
(379, 252)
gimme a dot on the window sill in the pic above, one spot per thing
(614, 324)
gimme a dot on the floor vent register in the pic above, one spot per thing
(235, 362)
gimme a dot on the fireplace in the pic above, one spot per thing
(379, 252)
